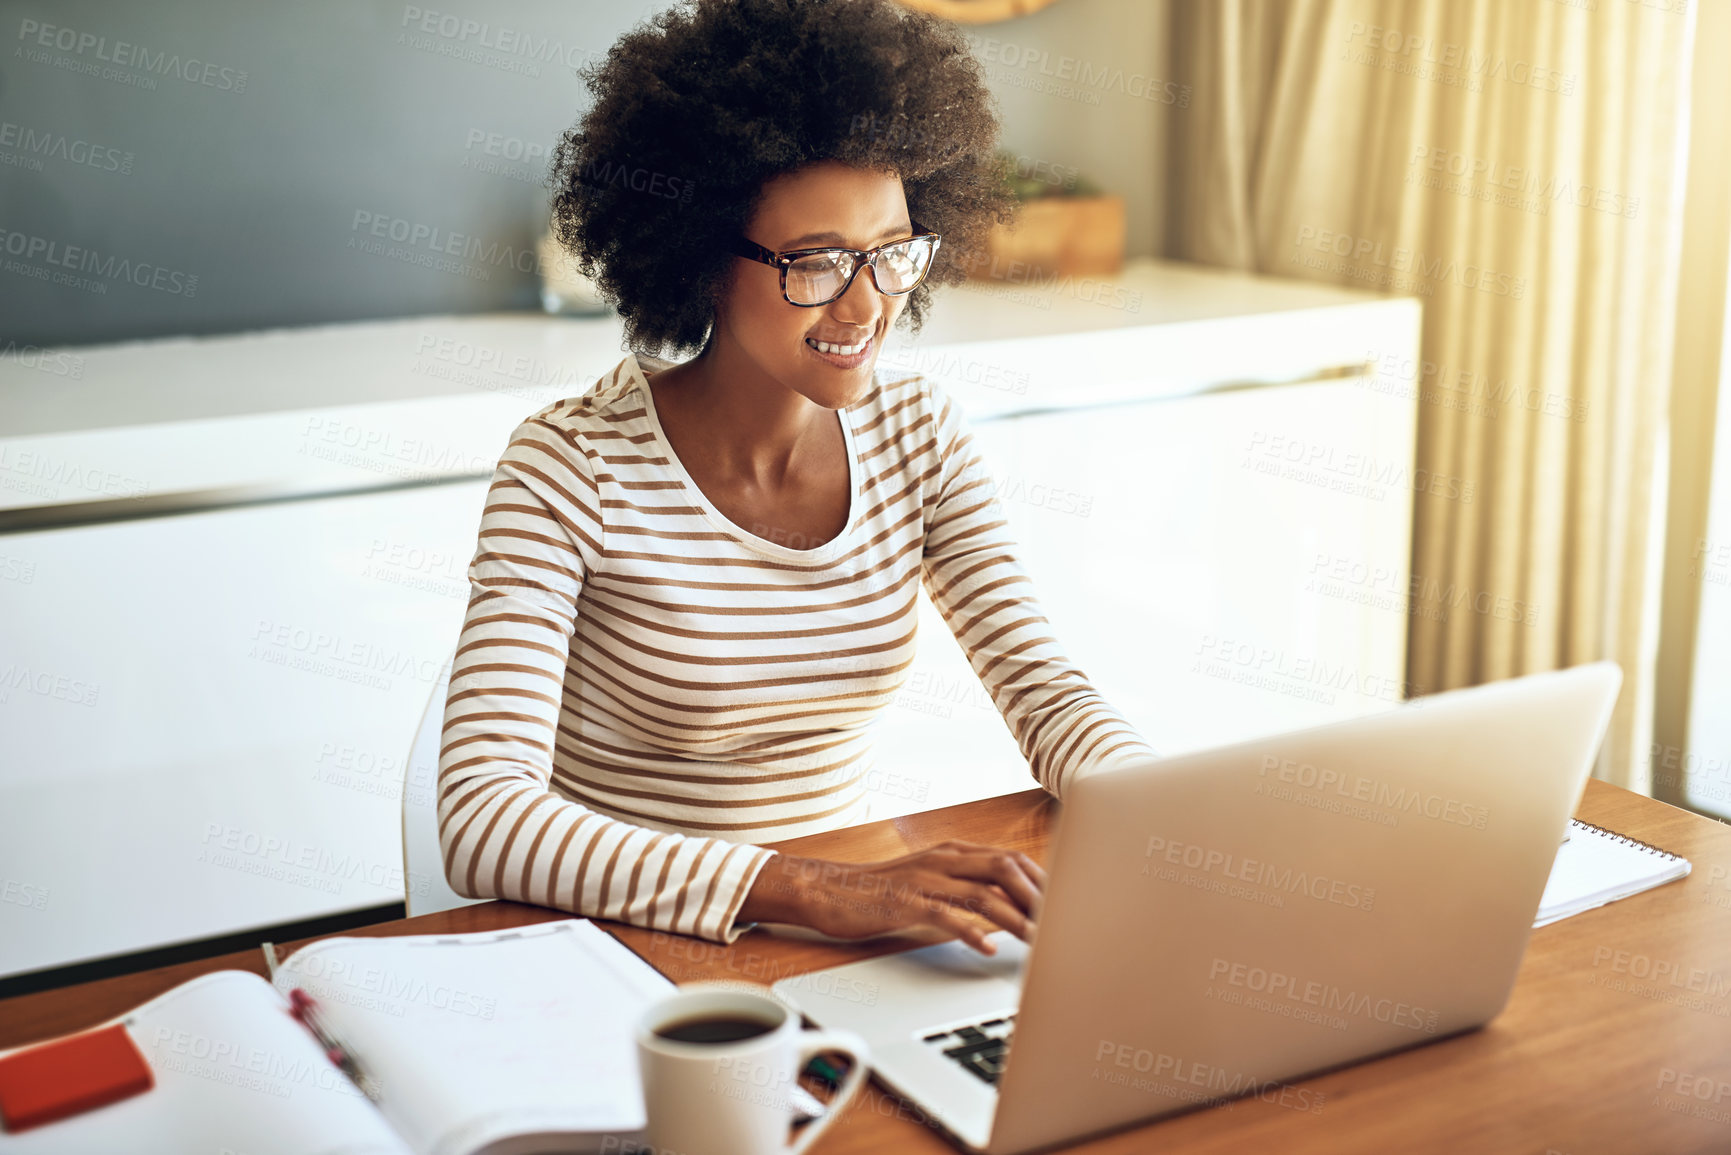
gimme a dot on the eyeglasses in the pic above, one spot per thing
(811, 277)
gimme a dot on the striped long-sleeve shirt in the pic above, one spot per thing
(643, 689)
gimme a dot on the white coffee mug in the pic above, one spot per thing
(734, 1098)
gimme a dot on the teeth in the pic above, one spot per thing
(838, 350)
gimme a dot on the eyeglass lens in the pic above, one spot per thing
(815, 279)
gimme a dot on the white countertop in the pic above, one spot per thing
(363, 404)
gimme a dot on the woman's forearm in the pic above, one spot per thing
(776, 894)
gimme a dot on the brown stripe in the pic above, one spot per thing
(729, 708)
(589, 846)
(502, 802)
(526, 535)
(779, 746)
(671, 534)
(660, 889)
(588, 790)
(502, 691)
(891, 411)
(765, 635)
(525, 560)
(511, 840)
(559, 858)
(720, 869)
(507, 640)
(690, 876)
(619, 435)
(637, 874)
(714, 686)
(755, 659)
(575, 758)
(488, 619)
(602, 903)
(634, 459)
(481, 761)
(494, 736)
(767, 823)
(893, 561)
(525, 880)
(647, 485)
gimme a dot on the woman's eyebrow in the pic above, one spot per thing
(888, 234)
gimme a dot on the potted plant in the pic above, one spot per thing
(1065, 224)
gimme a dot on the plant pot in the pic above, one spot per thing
(1057, 236)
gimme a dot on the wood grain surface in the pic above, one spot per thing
(1617, 1038)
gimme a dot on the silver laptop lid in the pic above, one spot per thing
(1217, 921)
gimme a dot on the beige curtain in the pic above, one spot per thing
(1516, 165)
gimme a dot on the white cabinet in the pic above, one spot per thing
(231, 568)
(234, 755)
(230, 572)
(1213, 496)
(1188, 582)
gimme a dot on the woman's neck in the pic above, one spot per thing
(745, 424)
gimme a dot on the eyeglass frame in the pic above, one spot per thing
(746, 247)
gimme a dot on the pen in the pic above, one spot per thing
(302, 1007)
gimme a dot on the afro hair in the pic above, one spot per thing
(696, 109)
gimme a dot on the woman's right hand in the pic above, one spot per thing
(942, 886)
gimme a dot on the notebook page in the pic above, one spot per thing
(233, 1073)
(479, 1037)
(1593, 868)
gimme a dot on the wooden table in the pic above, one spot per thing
(1617, 1038)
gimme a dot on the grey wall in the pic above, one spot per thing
(1083, 85)
(201, 166)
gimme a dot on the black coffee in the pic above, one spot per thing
(715, 1029)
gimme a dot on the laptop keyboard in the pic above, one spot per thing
(980, 1048)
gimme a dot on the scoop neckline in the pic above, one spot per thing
(640, 378)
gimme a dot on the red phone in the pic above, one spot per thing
(66, 1076)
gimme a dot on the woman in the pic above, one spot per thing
(695, 585)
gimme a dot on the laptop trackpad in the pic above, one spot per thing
(895, 996)
(957, 960)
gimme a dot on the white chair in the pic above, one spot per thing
(424, 885)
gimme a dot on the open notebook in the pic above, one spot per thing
(499, 1043)
(1596, 866)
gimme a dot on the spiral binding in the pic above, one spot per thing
(1626, 840)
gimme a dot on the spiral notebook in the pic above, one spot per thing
(1596, 866)
(515, 1042)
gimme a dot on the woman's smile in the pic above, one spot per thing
(843, 355)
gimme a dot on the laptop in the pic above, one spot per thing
(1227, 921)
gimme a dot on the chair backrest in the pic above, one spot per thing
(425, 888)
